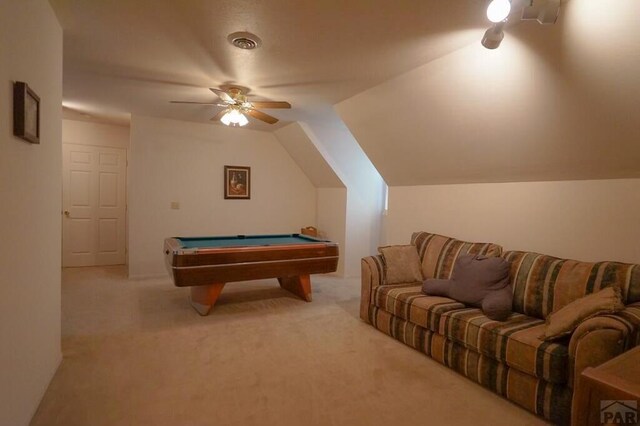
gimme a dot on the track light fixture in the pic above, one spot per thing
(543, 11)
(546, 14)
(493, 36)
(498, 13)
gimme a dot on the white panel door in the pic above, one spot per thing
(94, 203)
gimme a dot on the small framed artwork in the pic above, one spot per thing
(26, 113)
(237, 182)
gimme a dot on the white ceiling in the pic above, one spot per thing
(555, 102)
(134, 56)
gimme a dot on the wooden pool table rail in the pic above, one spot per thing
(206, 270)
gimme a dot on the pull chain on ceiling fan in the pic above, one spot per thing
(237, 106)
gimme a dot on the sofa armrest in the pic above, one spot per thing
(631, 314)
(597, 340)
(372, 276)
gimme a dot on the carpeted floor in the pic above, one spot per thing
(136, 353)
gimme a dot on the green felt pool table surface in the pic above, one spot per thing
(246, 240)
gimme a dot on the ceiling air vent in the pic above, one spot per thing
(244, 40)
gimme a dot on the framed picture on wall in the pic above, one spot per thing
(26, 113)
(237, 182)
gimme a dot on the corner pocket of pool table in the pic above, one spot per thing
(298, 285)
(203, 297)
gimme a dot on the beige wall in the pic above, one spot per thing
(295, 140)
(365, 187)
(30, 222)
(89, 133)
(556, 102)
(554, 105)
(331, 199)
(584, 220)
(333, 160)
(179, 161)
(332, 216)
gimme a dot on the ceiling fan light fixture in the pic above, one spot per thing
(244, 40)
(233, 117)
(238, 107)
(242, 120)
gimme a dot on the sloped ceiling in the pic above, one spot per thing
(423, 99)
(556, 102)
(123, 56)
(294, 139)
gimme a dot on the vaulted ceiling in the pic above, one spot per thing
(425, 101)
(124, 56)
(555, 102)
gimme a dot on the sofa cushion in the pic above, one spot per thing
(566, 319)
(543, 284)
(408, 302)
(632, 315)
(439, 253)
(401, 264)
(553, 401)
(514, 342)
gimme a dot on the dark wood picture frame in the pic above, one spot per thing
(237, 182)
(26, 113)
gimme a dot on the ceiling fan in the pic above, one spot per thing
(236, 104)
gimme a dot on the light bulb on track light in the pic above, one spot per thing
(498, 10)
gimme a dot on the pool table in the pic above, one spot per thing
(206, 263)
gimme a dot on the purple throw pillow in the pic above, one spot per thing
(436, 287)
(478, 281)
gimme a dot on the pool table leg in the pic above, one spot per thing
(203, 297)
(299, 285)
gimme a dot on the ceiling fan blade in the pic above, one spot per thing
(262, 116)
(198, 103)
(219, 115)
(223, 95)
(269, 104)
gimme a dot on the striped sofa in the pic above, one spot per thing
(507, 357)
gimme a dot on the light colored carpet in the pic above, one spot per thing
(136, 353)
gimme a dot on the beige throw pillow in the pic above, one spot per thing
(401, 264)
(563, 321)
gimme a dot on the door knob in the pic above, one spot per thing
(67, 213)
